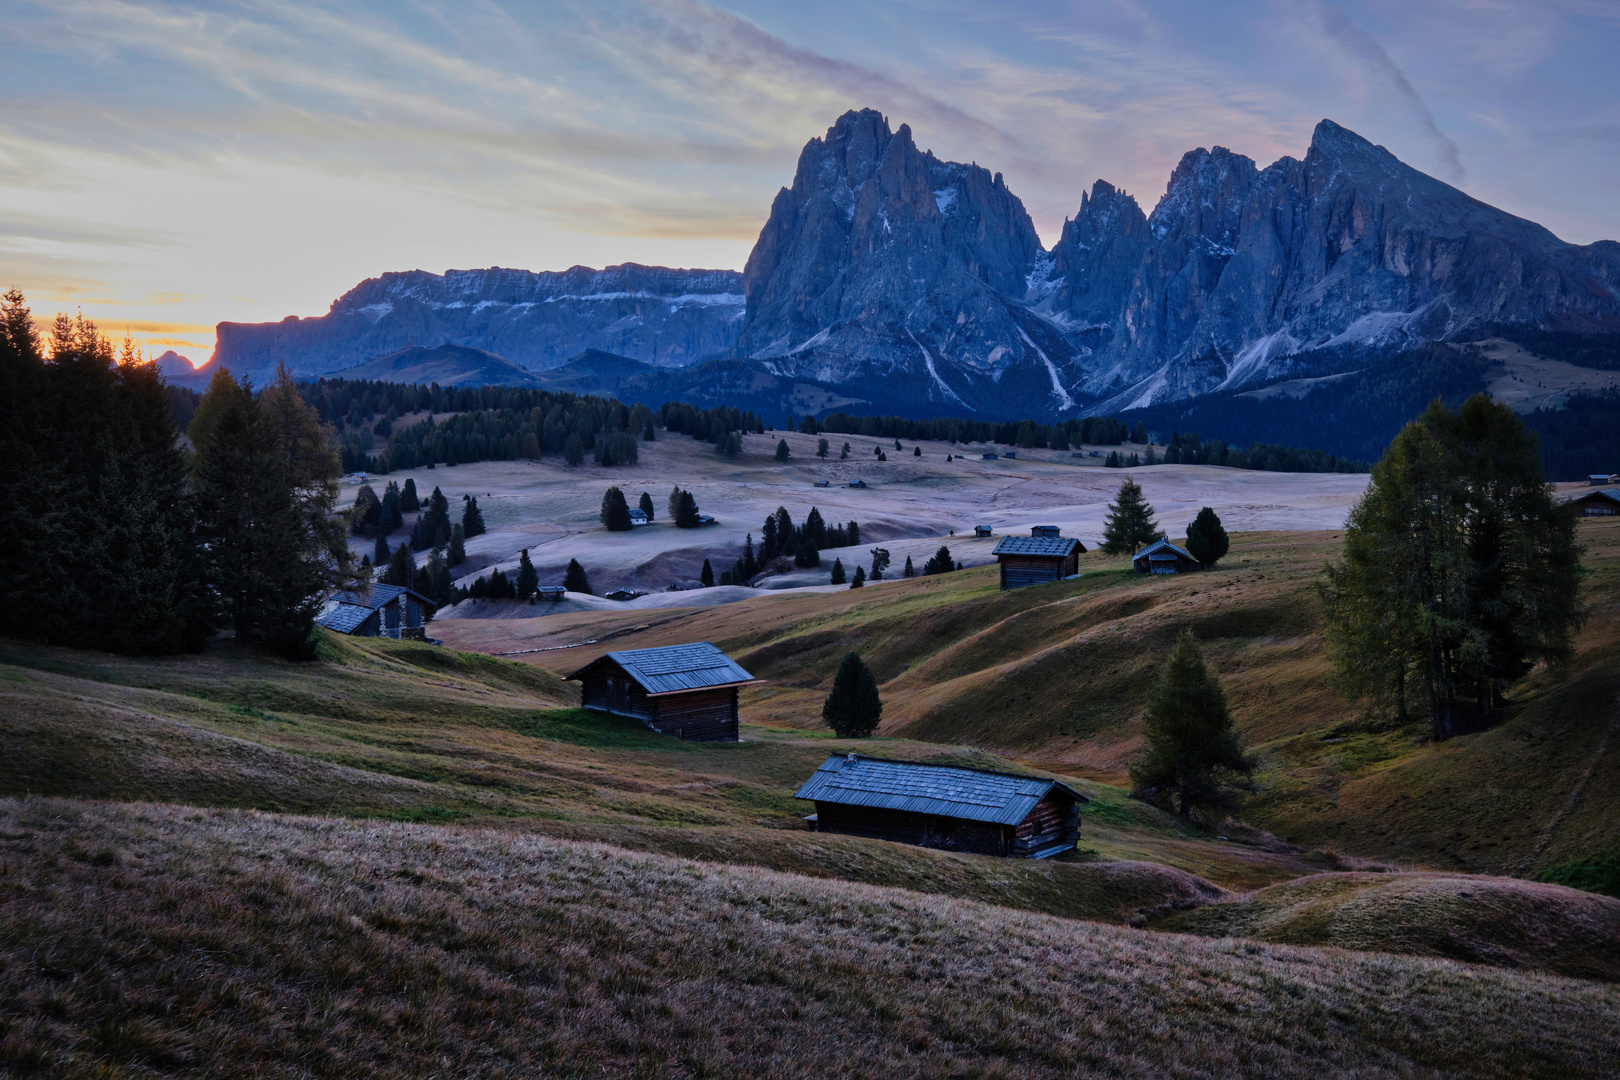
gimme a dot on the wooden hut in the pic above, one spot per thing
(1163, 557)
(377, 611)
(689, 691)
(982, 530)
(944, 806)
(1032, 560)
(1602, 503)
(1598, 479)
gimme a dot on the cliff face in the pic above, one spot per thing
(536, 320)
(1250, 272)
(901, 276)
(895, 281)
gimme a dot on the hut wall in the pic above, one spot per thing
(697, 716)
(1055, 819)
(922, 830)
(609, 689)
(1020, 570)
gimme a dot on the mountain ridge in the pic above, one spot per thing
(890, 278)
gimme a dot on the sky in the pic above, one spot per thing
(166, 167)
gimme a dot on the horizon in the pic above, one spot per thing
(166, 170)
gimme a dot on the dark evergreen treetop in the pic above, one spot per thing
(1130, 523)
(574, 579)
(472, 518)
(527, 578)
(647, 505)
(615, 512)
(853, 709)
(1194, 759)
(686, 514)
(1206, 538)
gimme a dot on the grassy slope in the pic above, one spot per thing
(1465, 917)
(144, 939)
(417, 733)
(1056, 676)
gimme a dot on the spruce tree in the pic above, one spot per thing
(367, 510)
(408, 502)
(647, 505)
(391, 516)
(380, 551)
(401, 567)
(838, 577)
(750, 566)
(574, 450)
(527, 579)
(815, 528)
(853, 709)
(940, 563)
(859, 580)
(674, 503)
(706, 575)
(1206, 539)
(458, 545)
(686, 514)
(1130, 523)
(472, 518)
(822, 448)
(574, 579)
(909, 571)
(615, 512)
(782, 451)
(843, 455)
(807, 554)
(1194, 758)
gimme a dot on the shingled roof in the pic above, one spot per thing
(674, 668)
(347, 609)
(1058, 546)
(923, 788)
(1163, 549)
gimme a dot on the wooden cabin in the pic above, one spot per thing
(638, 516)
(1163, 557)
(378, 611)
(552, 593)
(981, 530)
(1035, 559)
(688, 691)
(623, 595)
(1604, 503)
(1598, 479)
(857, 483)
(944, 806)
(1045, 530)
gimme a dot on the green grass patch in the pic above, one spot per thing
(587, 727)
(1598, 875)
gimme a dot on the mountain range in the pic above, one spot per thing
(888, 280)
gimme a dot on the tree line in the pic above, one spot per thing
(118, 538)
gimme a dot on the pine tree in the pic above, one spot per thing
(822, 448)
(436, 578)
(916, 451)
(367, 510)
(472, 518)
(838, 577)
(686, 514)
(401, 568)
(897, 445)
(381, 552)
(1139, 433)
(574, 450)
(674, 503)
(458, 545)
(615, 511)
(782, 451)
(750, 566)
(574, 579)
(880, 563)
(859, 580)
(853, 709)
(527, 579)
(807, 554)
(391, 515)
(647, 505)
(1194, 757)
(1206, 539)
(815, 528)
(940, 563)
(706, 575)
(1130, 523)
(853, 532)
(408, 502)
(909, 571)
(843, 455)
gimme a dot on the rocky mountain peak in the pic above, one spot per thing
(1205, 196)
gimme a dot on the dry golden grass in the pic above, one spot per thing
(1490, 920)
(150, 940)
(1056, 676)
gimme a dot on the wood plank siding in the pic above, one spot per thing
(702, 715)
(922, 830)
(1020, 570)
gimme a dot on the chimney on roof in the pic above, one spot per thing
(851, 757)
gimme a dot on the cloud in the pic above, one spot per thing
(1366, 50)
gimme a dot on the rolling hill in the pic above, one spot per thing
(447, 365)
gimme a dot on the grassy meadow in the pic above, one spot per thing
(1055, 676)
(403, 859)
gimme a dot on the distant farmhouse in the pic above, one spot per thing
(944, 806)
(1598, 479)
(1603, 503)
(1163, 557)
(689, 691)
(1044, 555)
(377, 611)
(639, 516)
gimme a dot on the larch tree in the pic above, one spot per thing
(1460, 572)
